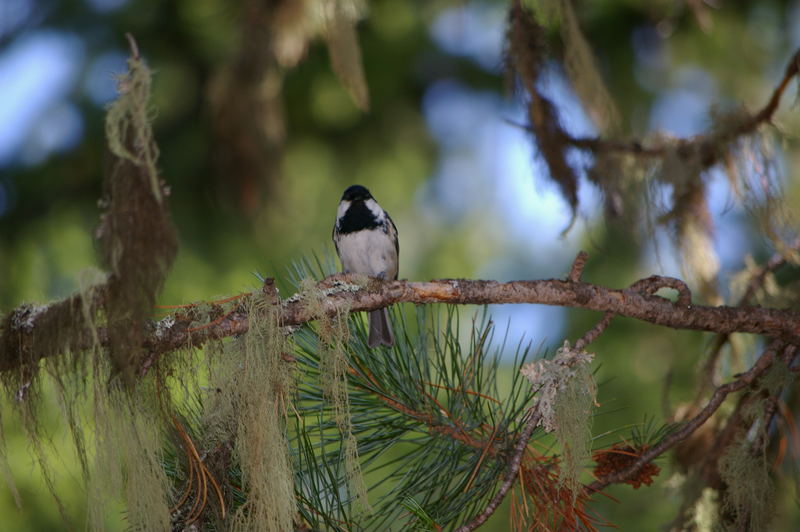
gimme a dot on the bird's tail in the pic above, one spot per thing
(380, 328)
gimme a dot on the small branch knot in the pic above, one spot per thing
(654, 283)
(269, 289)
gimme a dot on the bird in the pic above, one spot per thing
(365, 238)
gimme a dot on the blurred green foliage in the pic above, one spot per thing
(46, 231)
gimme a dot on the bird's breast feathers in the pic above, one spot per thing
(370, 251)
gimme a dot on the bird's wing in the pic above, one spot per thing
(393, 236)
(334, 232)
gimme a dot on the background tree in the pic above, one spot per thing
(257, 139)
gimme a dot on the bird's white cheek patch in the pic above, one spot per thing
(343, 206)
(376, 210)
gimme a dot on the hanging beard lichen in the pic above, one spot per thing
(699, 506)
(127, 440)
(255, 385)
(573, 421)
(685, 213)
(762, 192)
(333, 334)
(63, 335)
(138, 245)
(69, 379)
(137, 239)
(743, 467)
(566, 393)
(5, 468)
(339, 27)
(128, 455)
(748, 496)
(527, 59)
(580, 65)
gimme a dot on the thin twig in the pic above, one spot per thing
(734, 424)
(577, 266)
(511, 475)
(595, 332)
(744, 380)
(480, 460)
(757, 280)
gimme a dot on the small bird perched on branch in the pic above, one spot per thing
(366, 242)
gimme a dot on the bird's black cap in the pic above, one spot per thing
(356, 193)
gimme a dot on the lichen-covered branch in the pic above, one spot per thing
(718, 397)
(624, 302)
(780, 323)
(528, 55)
(639, 302)
(704, 144)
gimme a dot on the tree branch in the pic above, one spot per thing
(719, 396)
(778, 323)
(704, 143)
(176, 331)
